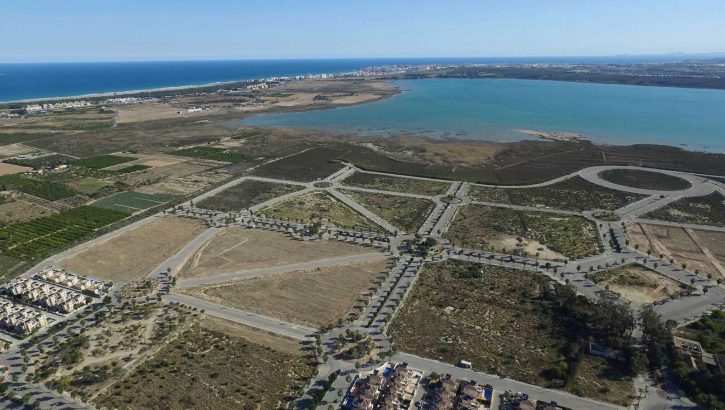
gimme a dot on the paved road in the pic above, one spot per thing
(699, 186)
(269, 324)
(276, 270)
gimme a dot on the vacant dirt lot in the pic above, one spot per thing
(236, 248)
(699, 249)
(313, 298)
(17, 210)
(639, 285)
(7, 169)
(135, 253)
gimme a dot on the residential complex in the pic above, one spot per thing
(44, 295)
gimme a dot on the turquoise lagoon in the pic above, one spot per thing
(494, 109)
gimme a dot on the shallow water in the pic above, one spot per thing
(494, 109)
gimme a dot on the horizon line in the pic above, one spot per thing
(671, 54)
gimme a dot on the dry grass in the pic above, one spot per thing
(20, 211)
(313, 298)
(8, 169)
(236, 248)
(699, 250)
(133, 254)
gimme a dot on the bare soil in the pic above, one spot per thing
(698, 249)
(135, 253)
(237, 248)
(313, 298)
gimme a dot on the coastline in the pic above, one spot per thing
(128, 92)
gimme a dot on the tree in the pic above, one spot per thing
(656, 336)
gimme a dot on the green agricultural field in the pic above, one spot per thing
(320, 207)
(15, 137)
(395, 184)
(636, 178)
(132, 201)
(408, 214)
(248, 193)
(573, 194)
(493, 228)
(102, 161)
(211, 153)
(26, 240)
(43, 189)
(702, 210)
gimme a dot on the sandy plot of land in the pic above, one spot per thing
(640, 285)
(683, 245)
(182, 169)
(237, 248)
(530, 246)
(315, 298)
(145, 112)
(135, 253)
(12, 150)
(7, 169)
(19, 211)
(187, 184)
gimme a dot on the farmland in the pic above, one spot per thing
(132, 201)
(27, 240)
(319, 207)
(248, 193)
(43, 189)
(212, 153)
(406, 213)
(236, 248)
(314, 298)
(574, 194)
(636, 178)
(551, 237)
(101, 161)
(134, 253)
(702, 210)
(395, 184)
(217, 370)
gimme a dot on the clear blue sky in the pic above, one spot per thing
(88, 30)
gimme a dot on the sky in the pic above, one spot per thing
(120, 30)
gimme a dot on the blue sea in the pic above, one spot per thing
(494, 109)
(44, 80)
